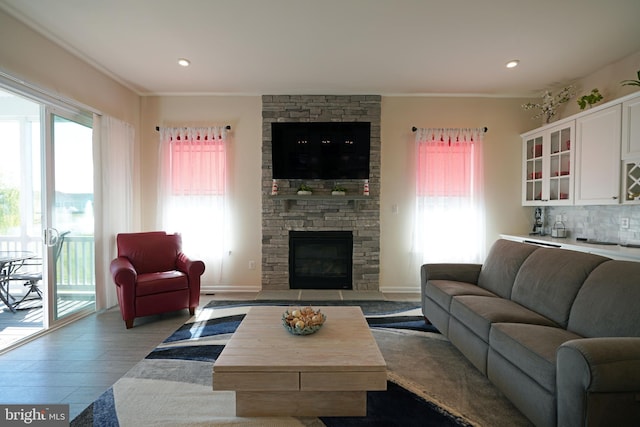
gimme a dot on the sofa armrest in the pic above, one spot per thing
(468, 273)
(598, 378)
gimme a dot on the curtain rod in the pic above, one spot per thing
(485, 129)
(227, 127)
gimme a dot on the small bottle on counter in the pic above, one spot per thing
(558, 230)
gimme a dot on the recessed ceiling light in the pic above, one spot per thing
(184, 62)
(513, 63)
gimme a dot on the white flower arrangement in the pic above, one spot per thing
(550, 103)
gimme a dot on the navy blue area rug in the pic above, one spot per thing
(172, 385)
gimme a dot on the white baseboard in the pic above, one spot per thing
(207, 289)
(400, 289)
(211, 289)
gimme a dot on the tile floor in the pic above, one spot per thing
(78, 362)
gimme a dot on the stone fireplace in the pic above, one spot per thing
(353, 213)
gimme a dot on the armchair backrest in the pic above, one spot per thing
(150, 252)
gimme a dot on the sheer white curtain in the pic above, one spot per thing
(114, 144)
(192, 194)
(449, 218)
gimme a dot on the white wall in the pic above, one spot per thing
(607, 81)
(29, 56)
(505, 120)
(244, 115)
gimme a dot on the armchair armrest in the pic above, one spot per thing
(598, 378)
(193, 269)
(123, 272)
(125, 277)
(459, 272)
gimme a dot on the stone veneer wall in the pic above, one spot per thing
(321, 215)
(597, 222)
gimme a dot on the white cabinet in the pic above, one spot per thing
(631, 128)
(547, 166)
(607, 139)
(597, 168)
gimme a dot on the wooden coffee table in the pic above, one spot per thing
(275, 373)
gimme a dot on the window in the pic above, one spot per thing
(198, 167)
(449, 220)
(192, 195)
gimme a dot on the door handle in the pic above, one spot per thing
(51, 236)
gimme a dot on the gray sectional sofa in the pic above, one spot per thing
(557, 331)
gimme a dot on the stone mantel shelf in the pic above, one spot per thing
(288, 198)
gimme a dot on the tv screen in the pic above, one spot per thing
(321, 150)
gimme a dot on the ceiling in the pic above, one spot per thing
(340, 46)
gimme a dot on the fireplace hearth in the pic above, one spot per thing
(320, 259)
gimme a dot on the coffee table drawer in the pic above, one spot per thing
(301, 404)
(344, 381)
(256, 381)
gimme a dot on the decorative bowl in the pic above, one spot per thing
(303, 321)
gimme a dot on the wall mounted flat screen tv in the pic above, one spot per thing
(321, 150)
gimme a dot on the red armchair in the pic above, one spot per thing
(153, 276)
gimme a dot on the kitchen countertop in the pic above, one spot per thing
(614, 251)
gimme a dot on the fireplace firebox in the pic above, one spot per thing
(320, 259)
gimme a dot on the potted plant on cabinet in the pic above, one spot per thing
(304, 190)
(338, 190)
(550, 103)
(631, 82)
(592, 98)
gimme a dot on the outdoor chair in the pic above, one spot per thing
(30, 272)
(153, 276)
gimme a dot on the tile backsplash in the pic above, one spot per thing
(603, 223)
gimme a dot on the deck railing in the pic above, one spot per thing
(75, 268)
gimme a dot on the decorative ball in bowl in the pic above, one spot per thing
(303, 321)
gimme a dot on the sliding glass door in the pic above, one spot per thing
(46, 211)
(70, 235)
(21, 217)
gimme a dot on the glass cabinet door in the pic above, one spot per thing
(560, 165)
(547, 168)
(533, 179)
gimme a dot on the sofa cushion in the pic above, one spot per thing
(607, 303)
(501, 266)
(532, 348)
(549, 280)
(150, 252)
(441, 291)
(478, 313)
(157, 283)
